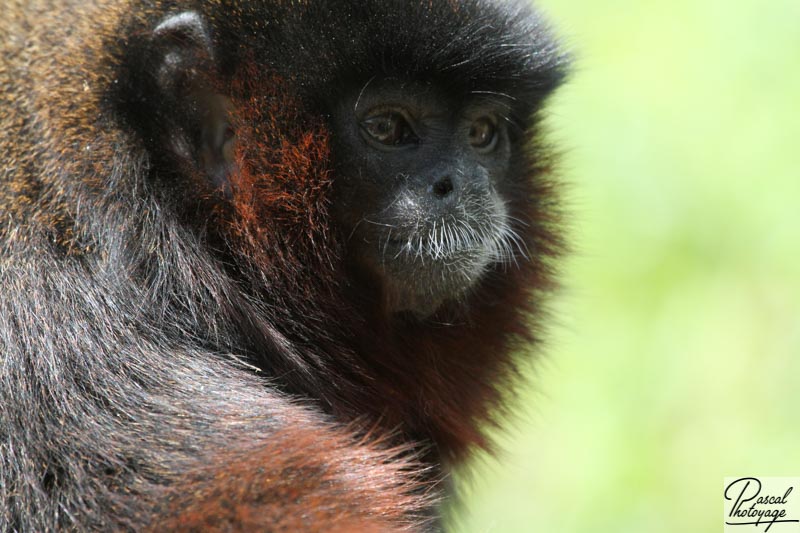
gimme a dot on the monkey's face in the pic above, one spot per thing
(420, 179)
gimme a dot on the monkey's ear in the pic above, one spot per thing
(183, 43)
(185, 76)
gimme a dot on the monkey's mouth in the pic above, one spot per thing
(423, 269)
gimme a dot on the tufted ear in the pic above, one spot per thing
(184, 60)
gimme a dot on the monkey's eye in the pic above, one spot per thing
(390, 129)
(483, 134)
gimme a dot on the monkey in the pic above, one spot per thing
(265, 265)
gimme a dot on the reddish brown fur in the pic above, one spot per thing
(281, 189)
(307, 477)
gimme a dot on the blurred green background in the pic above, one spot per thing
(675, 360)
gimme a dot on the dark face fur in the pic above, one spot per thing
(420, 191)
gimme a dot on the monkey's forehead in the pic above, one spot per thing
(323, 44)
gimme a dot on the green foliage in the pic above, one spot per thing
(676, 360)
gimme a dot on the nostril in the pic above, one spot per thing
(443, 187)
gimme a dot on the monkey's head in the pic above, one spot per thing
(398, 164)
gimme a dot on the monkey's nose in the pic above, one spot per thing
(442, 188)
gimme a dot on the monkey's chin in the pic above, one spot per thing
(421, 287)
